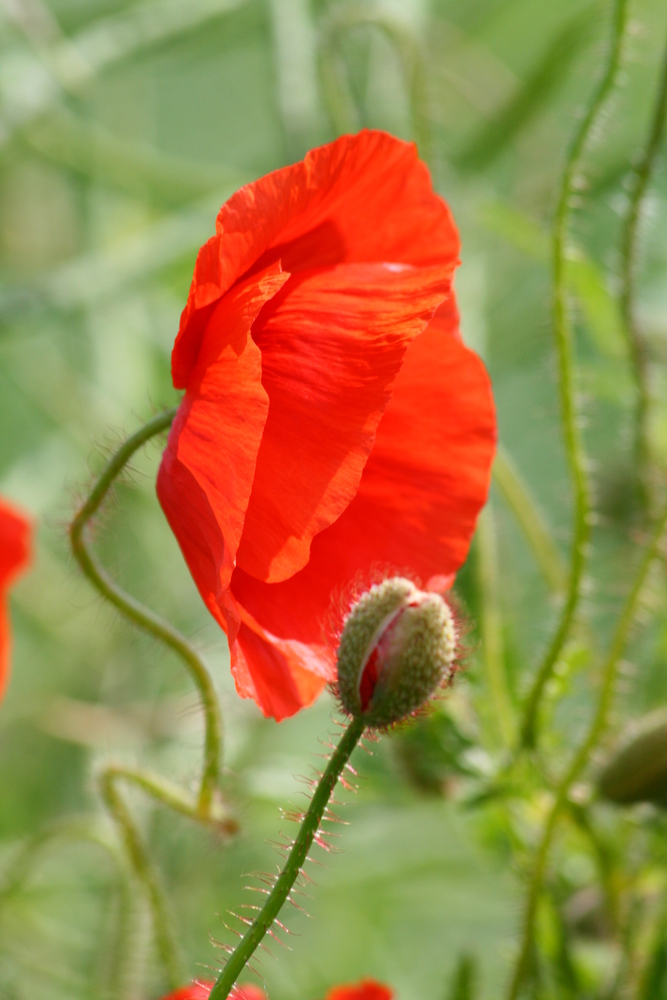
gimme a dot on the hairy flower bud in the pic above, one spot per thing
(398, 645)
(636, 771)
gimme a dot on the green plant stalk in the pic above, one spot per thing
(574, 446)
(295, 861)
(597, 726)
(165, 934)
(518, 498)
(142, 617)
(206, 807)
(491, 626)
(638, 184)
(340, 103)
(175, 797)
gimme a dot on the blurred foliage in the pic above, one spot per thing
(123, 125)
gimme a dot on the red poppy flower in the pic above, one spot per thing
(365, 989)
(333, 421)
(14, 557)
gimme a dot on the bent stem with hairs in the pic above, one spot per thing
(562, 327)
(582, 755)
(637, 186)
(206, 807)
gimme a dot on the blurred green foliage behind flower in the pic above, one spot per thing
(123, 127)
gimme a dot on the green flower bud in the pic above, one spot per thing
(398, 646)
(636, 771)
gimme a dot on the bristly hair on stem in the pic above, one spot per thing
(206, 807)
(574, 445)
(637, 185)
(282, 890)
(582, 754)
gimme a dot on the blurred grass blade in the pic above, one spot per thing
(296, 65)
(532, 97)
(92, 151)
(584, 277)
(491, 626)
(522, 504)
(109, 40)
(102, 274)
(464, 980)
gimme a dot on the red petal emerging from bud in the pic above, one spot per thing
(366, 989)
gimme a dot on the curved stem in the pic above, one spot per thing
(638, 182)
(142, 617)
(175, 797)
(165, 935)
(580, 758)
(296, 858)
(574, 447)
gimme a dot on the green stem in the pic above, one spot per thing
(580, 758)
(574, 447)
(295, 861)
(175, 797)
(142, 617)
(638, 182)
(165, 935)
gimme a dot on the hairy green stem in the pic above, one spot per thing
(295, 861)
(637, 185)
(578, 762)
(165, 934)
(206, 807)
(574, 447)
(142, 617)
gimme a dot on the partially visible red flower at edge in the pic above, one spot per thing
(333, 421)
(201, 990)
(366, 989)
(14, 557)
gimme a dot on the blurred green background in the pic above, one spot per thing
(123, 126)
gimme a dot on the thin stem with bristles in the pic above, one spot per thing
(580, 759)
(279, 894)
(144, 618)
(637, 186)
(574, 446)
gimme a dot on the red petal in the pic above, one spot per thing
(365, 197)
(14, 558)
(195, 991)
(419, 495)
(208, 466)
(366, 989)
(332, 344)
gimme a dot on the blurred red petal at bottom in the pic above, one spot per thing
(365, 989)
(200, 991)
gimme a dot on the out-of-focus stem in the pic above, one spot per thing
(520, 501)
(142, 617)
(491, 625)
(574, 447)
(581, 756)
(637, 185)
(295, 860)
(165, 934)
